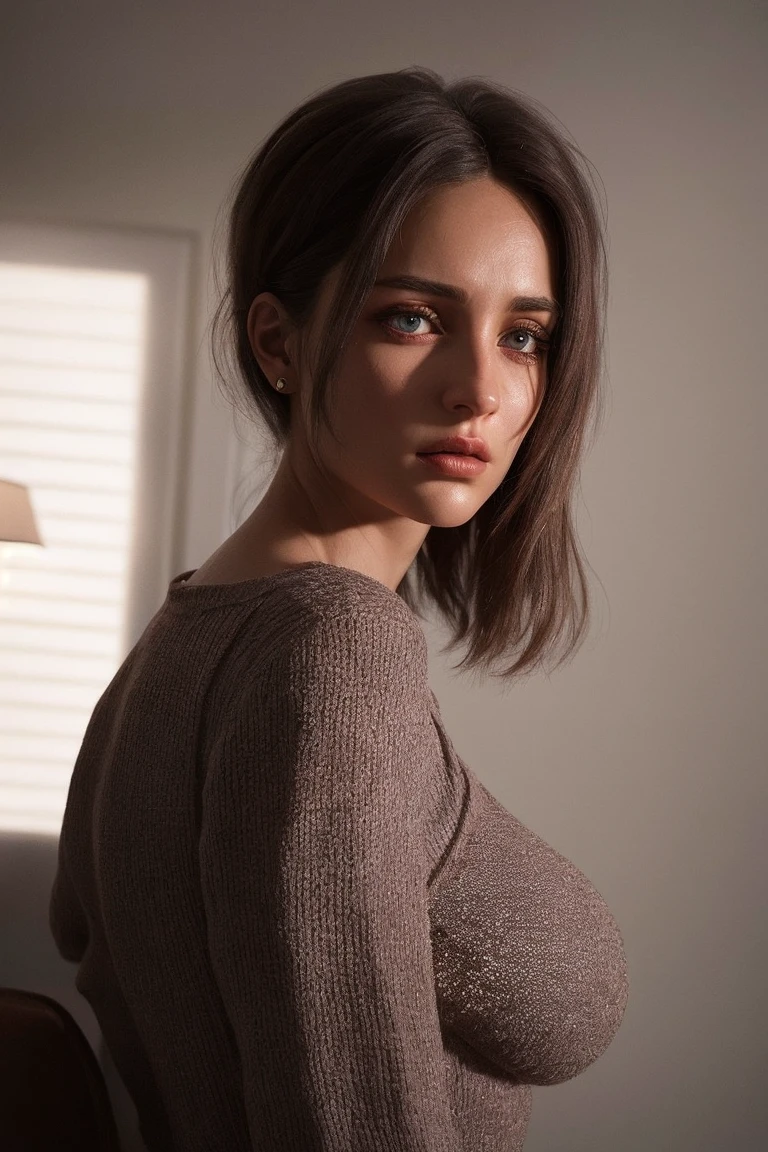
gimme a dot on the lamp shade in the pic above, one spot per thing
(17, 518)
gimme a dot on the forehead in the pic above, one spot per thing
(478, 235)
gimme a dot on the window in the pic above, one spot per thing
(92, 332)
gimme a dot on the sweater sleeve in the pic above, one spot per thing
(315, 878)
(66, 918)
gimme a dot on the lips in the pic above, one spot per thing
(458, 445)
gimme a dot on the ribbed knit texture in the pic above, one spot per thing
(301, 920)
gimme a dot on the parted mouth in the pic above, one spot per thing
(460, 445)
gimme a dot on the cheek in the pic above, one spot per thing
(378, 364)
(370, 390)
(521, 397)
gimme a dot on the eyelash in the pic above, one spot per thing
(422, 310)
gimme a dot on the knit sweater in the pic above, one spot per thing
(301, 920)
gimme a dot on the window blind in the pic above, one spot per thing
(72, 361)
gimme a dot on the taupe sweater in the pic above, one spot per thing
(301, 920)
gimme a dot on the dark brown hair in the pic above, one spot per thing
(331, 186)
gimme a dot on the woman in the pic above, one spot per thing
(301, 920)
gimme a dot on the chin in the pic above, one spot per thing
(451, 521)
(448, 517)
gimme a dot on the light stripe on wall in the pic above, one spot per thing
(72, 370)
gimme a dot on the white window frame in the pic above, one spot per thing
(165, 258)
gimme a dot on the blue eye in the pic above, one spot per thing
(526, 336)
(412, 317)
(416, 317)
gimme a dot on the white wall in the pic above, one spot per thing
(644, 761)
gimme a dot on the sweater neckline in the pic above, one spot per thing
(316, 571)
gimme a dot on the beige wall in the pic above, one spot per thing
(644, 760)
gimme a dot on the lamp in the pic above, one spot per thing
(17, 518)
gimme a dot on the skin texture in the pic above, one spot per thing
(367, 502)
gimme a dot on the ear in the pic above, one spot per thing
(270, 335)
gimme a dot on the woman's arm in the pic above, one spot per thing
(66, 918)
(315, 885)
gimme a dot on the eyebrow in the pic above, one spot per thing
(436, 288)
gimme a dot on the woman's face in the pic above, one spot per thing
(422, 365)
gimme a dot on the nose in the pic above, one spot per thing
(473, 378)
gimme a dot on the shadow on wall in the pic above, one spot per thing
(29, 958)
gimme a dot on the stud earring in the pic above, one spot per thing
(281, 383)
